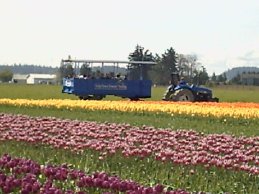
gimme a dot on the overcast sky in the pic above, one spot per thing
(222, 33)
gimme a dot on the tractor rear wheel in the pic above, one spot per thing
(182, 95)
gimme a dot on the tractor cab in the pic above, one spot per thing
(106, 77)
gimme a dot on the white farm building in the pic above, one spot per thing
(20, 78)
(41, 79)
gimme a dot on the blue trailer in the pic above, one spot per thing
(96, 88)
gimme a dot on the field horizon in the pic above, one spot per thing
(225, 93)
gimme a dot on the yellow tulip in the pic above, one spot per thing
(233, 110)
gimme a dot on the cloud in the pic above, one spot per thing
(249, 59)
(214, 65)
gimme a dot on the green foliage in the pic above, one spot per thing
(85, 70)
(222, 78)
(168, 60)
(139, 71)
(165, 66)
(236, 79)
(27, 69)
(200, 77)
(66, 71)
(6, 75)
(214, 77)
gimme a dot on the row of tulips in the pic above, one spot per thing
(19, 175)
(233, 110)
(179, 147)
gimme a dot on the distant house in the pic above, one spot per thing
(41, 79)
(250, 78)
(20, 78)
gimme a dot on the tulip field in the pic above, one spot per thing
(27, 176)
(132, 147)
(232, 110)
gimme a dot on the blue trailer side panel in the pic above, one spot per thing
(122, 88)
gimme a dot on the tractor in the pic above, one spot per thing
(179, 90)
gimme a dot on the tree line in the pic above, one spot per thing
(7, 71)
(187, 66)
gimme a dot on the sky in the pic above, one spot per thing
(223, 33)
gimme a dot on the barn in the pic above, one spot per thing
(20, 78)
(41, 79)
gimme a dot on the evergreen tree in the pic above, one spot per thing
(214, 77)
(168, 60)
(222, 78)
(140, 71)
(156, 71)
(200, 77)
(204, 77)
(66, 71)
(165, 66)
(236, 79)
(85, 70)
